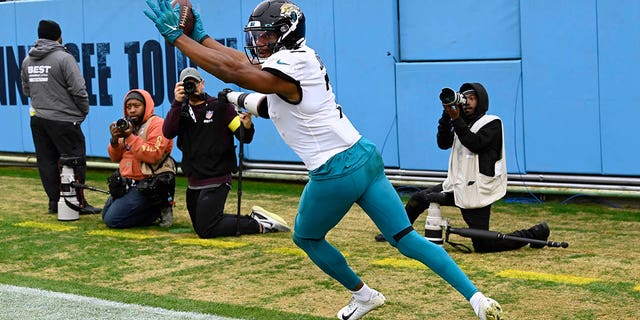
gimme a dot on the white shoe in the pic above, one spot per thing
(490, 310)
(166, 217)
(356, 309)
(270, 221)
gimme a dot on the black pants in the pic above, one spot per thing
(206, 209)
(477, 218)
(53, 139)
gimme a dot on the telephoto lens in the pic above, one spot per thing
(449, 97)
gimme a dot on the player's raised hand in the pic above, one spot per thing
(165, 19)
(198, 29)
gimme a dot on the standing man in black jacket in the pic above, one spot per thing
(59, 103)
(205, 128)
(477, 174)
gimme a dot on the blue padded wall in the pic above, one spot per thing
(619, 52)
(459, 30)
(366, 83)
(560, 67)
(561, 74)
(13, 120)
(419, 108)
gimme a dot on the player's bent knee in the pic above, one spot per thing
(304, 243)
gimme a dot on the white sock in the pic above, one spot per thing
(364, 294)
(476, 301)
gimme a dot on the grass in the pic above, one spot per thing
(267, 277)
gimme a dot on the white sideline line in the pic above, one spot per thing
(28, 303)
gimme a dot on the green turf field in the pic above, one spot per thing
(268, 277)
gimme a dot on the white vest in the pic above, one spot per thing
(471, 188)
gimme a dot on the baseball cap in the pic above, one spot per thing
(190, 73)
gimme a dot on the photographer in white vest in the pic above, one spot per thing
(477, 173)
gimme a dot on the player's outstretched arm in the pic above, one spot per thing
(226, 64)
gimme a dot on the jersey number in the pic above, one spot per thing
(326, 76)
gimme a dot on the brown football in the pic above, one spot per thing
(186, 20)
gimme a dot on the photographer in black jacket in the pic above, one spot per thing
(205, 128)
(477, 174)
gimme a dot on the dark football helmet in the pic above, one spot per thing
(273, 25)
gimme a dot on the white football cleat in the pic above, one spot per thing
(356, 309)
(490, 310)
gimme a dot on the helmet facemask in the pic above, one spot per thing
(274, 25)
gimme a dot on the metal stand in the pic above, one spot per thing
(241, 158)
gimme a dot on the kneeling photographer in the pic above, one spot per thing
(205, 127)
(142, 189)
(477, 173)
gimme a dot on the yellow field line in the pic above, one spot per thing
(400, 263)
(44, 226)
(212, 243)
(529, 275)
(122, 234)
(288, 251)
(636, 288)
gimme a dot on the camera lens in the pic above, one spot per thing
(189, 87)
(448, 96)
(122, 124)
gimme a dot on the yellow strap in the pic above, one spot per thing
(235, 124)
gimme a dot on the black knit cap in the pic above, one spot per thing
(134, 95)
(49, 29)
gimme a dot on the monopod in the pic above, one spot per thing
(241, 158)
(487, 234)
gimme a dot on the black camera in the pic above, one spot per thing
(123, 124)
(189, 87)
(450, 97)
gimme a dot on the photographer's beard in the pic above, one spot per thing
(468, 111)
(197, 98)
(470, 114)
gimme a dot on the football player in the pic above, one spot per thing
(344, 167)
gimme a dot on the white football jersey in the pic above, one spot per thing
(316, 128)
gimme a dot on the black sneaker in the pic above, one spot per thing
(53, 207)
(540, 232)
(166, 217)
(89, 209)
(380, 238)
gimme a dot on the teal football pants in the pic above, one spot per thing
(356, 175)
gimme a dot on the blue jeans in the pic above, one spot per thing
(131, 210)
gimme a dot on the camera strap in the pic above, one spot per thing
(71, 205)
(191, 113)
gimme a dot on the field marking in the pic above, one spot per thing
(400, 263)
(122, 234)
(539, 276)
(29, 303)
(44, 226)
(288, 251)
(391, 262)
(212, 243)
